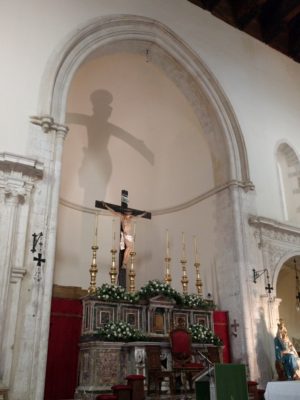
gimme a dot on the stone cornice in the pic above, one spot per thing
(272, 224)
(26, 166)
(275, 231)
(168, 210)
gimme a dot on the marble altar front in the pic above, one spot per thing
(103, 364)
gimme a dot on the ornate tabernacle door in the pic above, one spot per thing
(159, 315)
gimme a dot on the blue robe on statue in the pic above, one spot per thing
(289, 360)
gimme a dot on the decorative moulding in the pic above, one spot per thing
(275, 230)
(171, 209)
(26, 166)
(47, 124)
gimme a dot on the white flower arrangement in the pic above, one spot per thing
(107, 292)
(202, 334)
(120, 332)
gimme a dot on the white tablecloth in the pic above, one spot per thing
(286, 390)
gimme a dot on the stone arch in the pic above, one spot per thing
(287, 256)
(286, 289)
(177, 60)
(185, 68)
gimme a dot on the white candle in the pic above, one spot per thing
(113, 235)
(96, 230)
(183, 245)
(167, 241)
(134, 230)
(196, 249)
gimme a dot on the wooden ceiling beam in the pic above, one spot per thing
(206, 4)
(244, 12)
(291, 14)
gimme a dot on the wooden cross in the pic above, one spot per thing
(235, 325)
(39, 259)
(122, 210)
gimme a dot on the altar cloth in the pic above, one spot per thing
(283, 390)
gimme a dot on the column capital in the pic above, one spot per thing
(17, 175)
(47, 123)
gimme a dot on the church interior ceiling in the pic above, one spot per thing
(274, 22)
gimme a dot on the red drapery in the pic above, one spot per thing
(65, 328)
(221, 329)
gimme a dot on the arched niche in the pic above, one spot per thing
(138, 34)
(129, 33)
(287, 287)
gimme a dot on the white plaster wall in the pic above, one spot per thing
(262, 85)
(138, 133)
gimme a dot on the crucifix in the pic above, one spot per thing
(127, 238)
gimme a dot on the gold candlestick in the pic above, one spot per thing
(168, 278)
(113, 270)
(184, 279)
(132, 273)
(198, 283)
(93, 270)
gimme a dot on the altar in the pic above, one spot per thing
(104, 363)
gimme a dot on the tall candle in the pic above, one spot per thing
(113, 235)
(134, 230)
(167, 242)
(196, 249)
(183, 245)
(96, 230)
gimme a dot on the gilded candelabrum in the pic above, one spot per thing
(93, 271)
(198, 279)
(184, 279)
(113, 270)
(132, 273)
(168, 278)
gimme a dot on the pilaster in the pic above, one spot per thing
(17, 178)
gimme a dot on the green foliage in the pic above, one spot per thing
(155, 287)
(195, 301)
(107, 292)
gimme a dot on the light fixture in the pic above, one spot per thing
(297, 287)
(258, 274)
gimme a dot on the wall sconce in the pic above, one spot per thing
(258, 274)
(36, 239)
(297, 287)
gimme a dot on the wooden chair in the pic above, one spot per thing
(155, 373)
(183, 356)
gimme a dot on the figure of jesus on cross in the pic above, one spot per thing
(126, 230)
